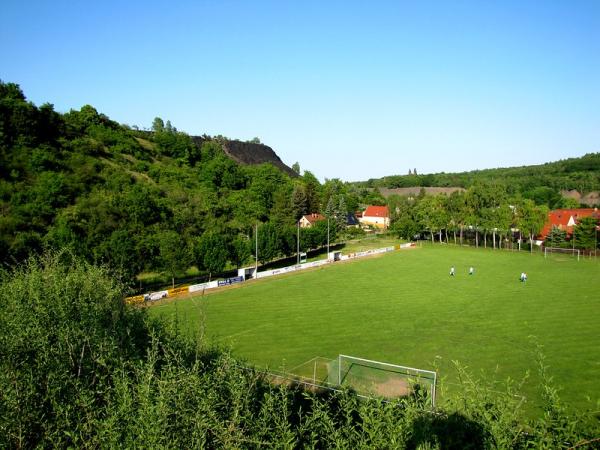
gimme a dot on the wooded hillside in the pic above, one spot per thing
(541, 183)
(136, 200)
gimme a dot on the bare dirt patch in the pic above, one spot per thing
(393, 388)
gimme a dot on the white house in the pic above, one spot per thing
(377, 216)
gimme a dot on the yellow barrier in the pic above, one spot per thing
(134, 300)
(178, 291)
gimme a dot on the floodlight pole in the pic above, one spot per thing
(298, 245)
(256, 253)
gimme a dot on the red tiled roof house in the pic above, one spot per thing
(377, 216)
(308, 220)
(566, 219)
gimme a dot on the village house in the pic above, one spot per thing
(566, 219)
(308, 220)
(352, 221)
(377, 216)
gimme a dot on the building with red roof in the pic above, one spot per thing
(566, 219)
(308, 220)
(377, 216)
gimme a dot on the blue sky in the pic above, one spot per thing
(350, 90)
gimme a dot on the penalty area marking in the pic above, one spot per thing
(250, 330)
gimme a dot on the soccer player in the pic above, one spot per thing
(471, 270)
(452, 271)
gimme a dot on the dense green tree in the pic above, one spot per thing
(567, 203)
(456, 208)
(404, 223)
(556, 238)
(531, 218)
(504, 218)
(287, 236)
(222, 172)
(313, 192)
(268, 242)
(266, 181)
(299, 201)
(296, 167)
(158, 125)
(240, 249)
(544, 195)
(211, 253)
(483, 200)
(441, 218)
(177, 145)
(119, 252)
(316, 236)
(585, 233)
(341, 214)
(174, 253)
(282, 213)
(330, 207)
(373, 197)
(426, 213)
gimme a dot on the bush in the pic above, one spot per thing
(64, 330)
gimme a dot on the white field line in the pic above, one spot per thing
(250, 330)
(308, 362)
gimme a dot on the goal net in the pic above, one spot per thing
(561, 252)
(380, 379)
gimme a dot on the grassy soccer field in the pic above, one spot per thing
(404, 308)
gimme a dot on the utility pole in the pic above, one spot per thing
(256, 253)
(327, 238)
(298, 245)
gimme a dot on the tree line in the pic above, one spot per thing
(484, 211)
(540, 183)
(488, 214)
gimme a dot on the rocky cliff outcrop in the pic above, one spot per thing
(250, 153)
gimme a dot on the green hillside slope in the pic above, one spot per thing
(134, 200)
(542, 183)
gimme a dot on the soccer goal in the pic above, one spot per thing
(381, 379)
(572, 252)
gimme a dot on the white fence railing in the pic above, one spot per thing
(154, 296)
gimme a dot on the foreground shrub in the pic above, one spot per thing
(64, 330)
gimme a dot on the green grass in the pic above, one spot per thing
(404, 308)
(370, 242)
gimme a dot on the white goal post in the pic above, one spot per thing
(564, 251)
